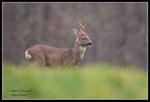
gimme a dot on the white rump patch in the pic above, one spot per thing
(27, 55)
(83, 51)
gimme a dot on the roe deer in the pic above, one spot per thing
(42, 55)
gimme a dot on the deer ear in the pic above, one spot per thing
(75, 31)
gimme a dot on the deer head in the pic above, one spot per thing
(82, 38)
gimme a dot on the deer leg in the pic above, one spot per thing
(38, 63)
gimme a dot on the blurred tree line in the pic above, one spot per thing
(118, 30)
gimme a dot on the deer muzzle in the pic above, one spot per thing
(90, 43)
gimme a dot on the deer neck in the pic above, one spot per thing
(82, 51)
(79, 50)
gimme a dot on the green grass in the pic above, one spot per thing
(97, 81)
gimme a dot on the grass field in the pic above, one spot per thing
(97, 81)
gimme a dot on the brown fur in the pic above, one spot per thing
(42, 55)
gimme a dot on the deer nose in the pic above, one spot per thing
(90, 43)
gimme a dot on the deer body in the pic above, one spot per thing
(42, 55)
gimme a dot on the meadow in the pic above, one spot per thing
(94, 81)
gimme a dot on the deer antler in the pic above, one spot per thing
(83, 27)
